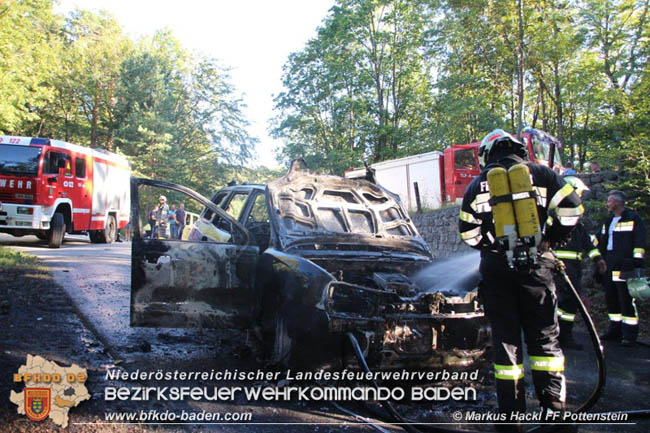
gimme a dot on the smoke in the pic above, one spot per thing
(455, 275)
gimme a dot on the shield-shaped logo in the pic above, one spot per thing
(37, 403)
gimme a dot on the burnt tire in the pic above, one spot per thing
(110, 231)
(57, 231)
(281, 351)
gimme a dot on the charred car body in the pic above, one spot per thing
(304, 260)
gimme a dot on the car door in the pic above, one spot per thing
(189, 283)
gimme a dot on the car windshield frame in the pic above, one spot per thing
(29, 156)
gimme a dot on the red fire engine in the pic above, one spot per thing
(50, 187)
(461, 160)
(443, 177)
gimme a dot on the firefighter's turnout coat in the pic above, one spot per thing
(626, 252)
(579, 246)
(516, 300)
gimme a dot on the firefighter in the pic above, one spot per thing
(622, 240)
(161, 217)
(516, 285)
(580, 244)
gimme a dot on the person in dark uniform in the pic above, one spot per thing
(516, 299)
(579, 245)
(622, 240)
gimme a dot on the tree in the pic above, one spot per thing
(85, 80)
(360, 89)
(30, 44)
(179, 117)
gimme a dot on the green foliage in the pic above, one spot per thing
(388, 78)
(176, 116)
(29, 47)
(360, 89)
(634, 152)
(10, 259)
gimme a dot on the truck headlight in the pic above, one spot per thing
(25, 210)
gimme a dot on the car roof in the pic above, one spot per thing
(243, 187)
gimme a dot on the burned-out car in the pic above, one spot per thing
(302, 261)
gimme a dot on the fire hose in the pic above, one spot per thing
(409, 425)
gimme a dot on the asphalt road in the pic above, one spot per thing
(97, 278)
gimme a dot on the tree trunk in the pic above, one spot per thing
(520, 69)
(94, 118)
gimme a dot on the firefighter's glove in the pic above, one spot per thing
(602, 266)
(560, 266)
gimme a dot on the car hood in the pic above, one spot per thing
(321, 212)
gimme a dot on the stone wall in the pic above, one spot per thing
(439, 228)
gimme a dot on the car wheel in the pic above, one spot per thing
(57, 231)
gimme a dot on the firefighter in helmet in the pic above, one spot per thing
(503, 215)
(162, 216)
(622, 240)
(579, 245)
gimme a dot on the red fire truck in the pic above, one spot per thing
(50, 187)
(436, 178)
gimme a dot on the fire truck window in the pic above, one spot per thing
(80, 167)
(464, 159)
(19, 160)
(52, 163)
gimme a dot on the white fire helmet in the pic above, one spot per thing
(491, 142)
(577, 184)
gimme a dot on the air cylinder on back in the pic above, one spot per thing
(502, 212)
(524, 202)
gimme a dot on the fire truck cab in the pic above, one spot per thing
(50, 187)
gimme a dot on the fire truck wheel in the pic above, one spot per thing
(110, 232)
(96, 236)
(57, 231)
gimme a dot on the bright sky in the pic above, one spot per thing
(252, 37)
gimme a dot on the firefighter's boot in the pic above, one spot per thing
(613, 332)
(566, 336)
(629, 335)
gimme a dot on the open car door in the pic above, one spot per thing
(178, 282)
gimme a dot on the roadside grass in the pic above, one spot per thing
(16, 260)
(22, 278)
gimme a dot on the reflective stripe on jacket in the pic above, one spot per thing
(555, 198)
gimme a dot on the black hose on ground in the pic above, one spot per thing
(406, 424)
(595, 341)
(600, 359)
(588, 404)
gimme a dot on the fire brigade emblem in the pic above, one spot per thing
(37, 403)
